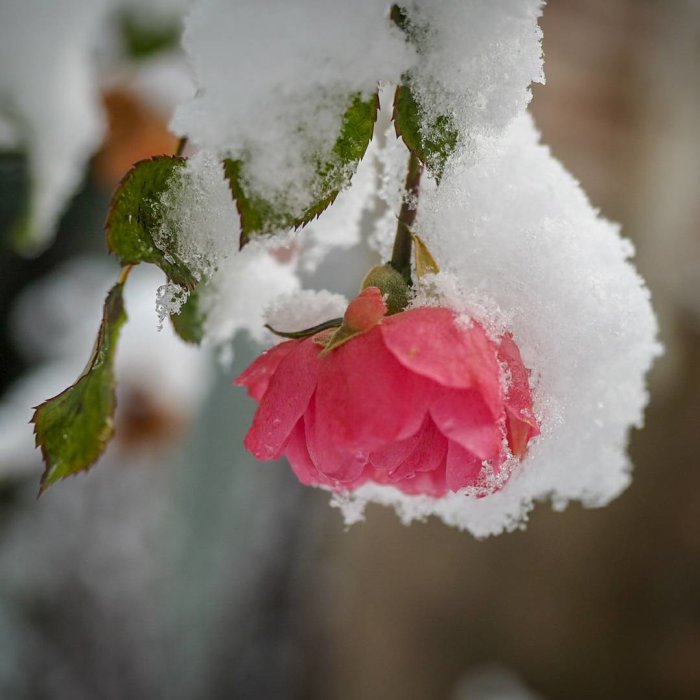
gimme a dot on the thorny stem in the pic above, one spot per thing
(401, 254)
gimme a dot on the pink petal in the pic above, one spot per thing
(390, 456)
(519, 433)
(365, 398)
(430, 483)
(298, 456)
(518, 397)
(256, 377)
(429, 342)
(429, 454)
(462, 467)
(285, 400)
(463, 417)
(341, 465)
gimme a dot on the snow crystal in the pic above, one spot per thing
(170, 298)
(200, 221)
(518, 234)
(275, 78)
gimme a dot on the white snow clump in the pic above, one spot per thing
(275, 78)
(522, 248)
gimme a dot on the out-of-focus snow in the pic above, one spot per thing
(50, 85)
(492, 682)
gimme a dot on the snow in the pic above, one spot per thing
(519, 245)
(339, 227)
(477, 60)
(240, 291)
(275, 78)
(200, 221)
(202, 226)
(521, 248)
(48, 85)
(161, 81)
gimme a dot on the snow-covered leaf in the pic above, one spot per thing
(144, 39)
(333, 172)
(136, 214)
(432, 140)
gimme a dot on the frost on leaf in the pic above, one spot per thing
(333, 171)
(135, 217)
(74, 427)
(432, 140)
(472, 77)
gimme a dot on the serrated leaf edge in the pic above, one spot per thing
(104, 439)
(191, 282)
(314, 211)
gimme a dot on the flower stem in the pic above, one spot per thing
(124, 273)
(401, 254)
(181, 144)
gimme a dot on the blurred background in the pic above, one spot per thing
(179, 568)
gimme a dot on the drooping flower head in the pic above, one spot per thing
(423, 400)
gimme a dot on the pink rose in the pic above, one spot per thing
(423, 400)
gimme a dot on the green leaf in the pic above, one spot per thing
(74, 427)
(432, 140)
(189, 323)
(415, 33)
(333, 173)
(136, 213)
(143, 39)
